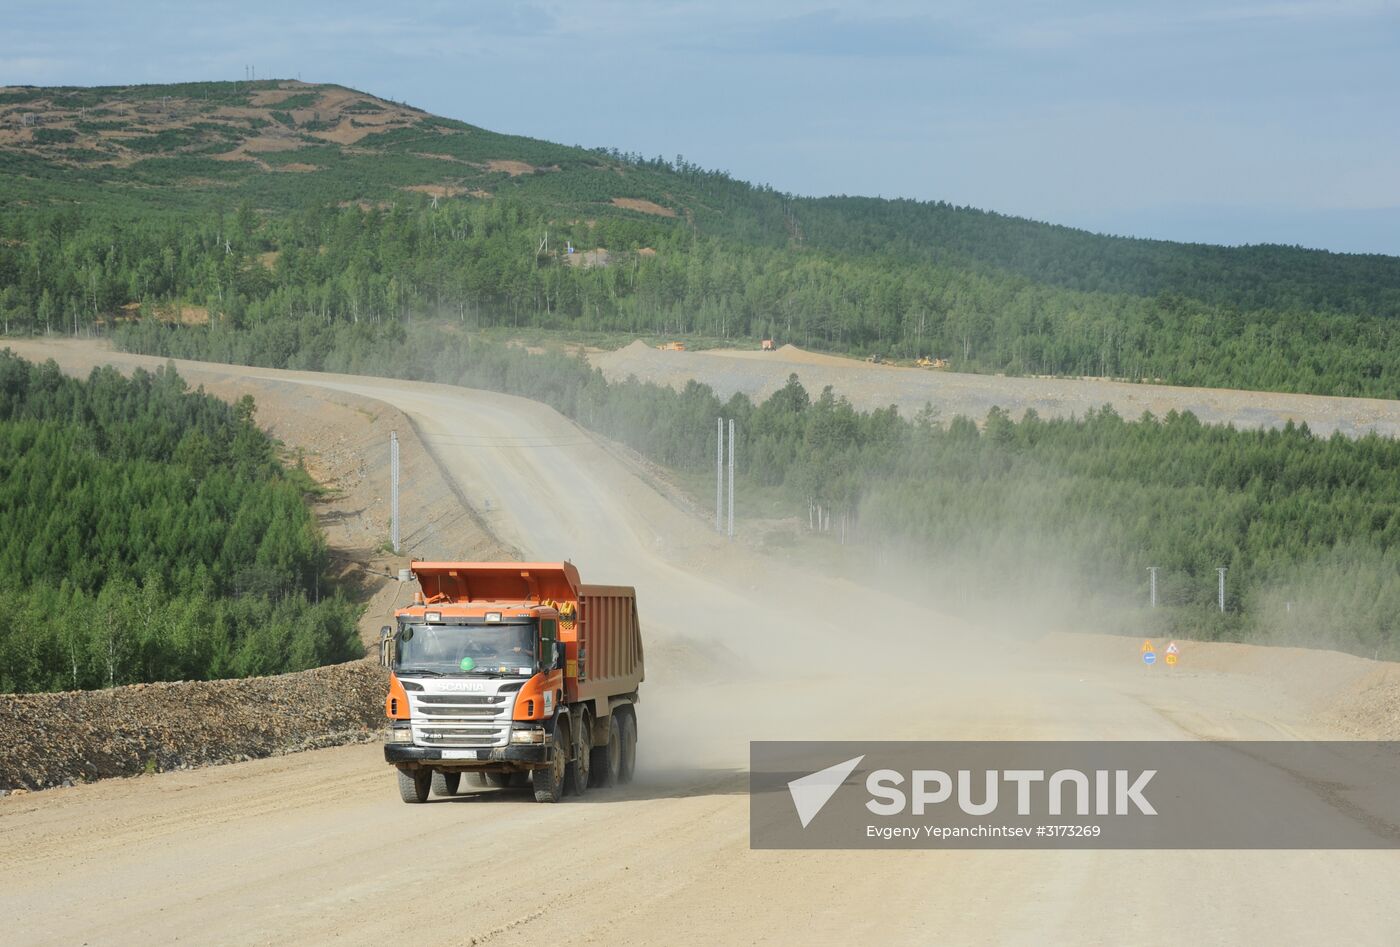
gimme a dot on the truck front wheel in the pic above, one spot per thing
(414, 784)
(445, 784)
(548, 782)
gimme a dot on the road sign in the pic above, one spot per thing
(1149, 657)
(1171, 648)
(1148, 646)
(1171, 659)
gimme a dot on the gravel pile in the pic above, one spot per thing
(78, 736)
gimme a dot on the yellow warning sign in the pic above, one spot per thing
(1171, 659)
(1148, 646)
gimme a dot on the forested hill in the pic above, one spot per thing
(269, 202)
(1257, 277)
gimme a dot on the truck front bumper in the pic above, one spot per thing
(529, 754)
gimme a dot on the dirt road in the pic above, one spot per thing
(759, 374)
(316, 847)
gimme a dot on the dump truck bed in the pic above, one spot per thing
(610, 640)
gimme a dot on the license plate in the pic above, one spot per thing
(464, 755)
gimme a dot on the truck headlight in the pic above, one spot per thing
(533, 735)
(401, 735)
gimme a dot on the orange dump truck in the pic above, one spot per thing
(516, 673)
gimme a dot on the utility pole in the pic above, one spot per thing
(719, 475)
(1221, 570)
(394, 491)
(1152, 571)
(731, 478)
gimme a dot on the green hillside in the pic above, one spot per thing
(259, 205)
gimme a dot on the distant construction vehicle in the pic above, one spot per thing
(766, 345)
(926, 361)
(875, 359)
(516, 673)
(672, 347)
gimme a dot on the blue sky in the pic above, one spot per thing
(1229, 122)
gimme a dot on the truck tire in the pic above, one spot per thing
(548, 782)
(607, 759)
(627, 759)
(414, 784)
(576, 773)
(445, 784)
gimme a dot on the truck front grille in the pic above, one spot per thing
(473, 706)
(462, 720)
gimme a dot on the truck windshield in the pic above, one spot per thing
(467, 649)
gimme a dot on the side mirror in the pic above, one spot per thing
(559, 655)
(386, 646)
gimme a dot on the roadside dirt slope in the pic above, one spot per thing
(316, 847)
(759, 374)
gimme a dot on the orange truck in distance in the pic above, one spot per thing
(516, 673)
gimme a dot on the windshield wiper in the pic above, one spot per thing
(428, 672)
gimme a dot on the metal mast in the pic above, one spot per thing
(394, 491)
(719, 475)
(731, 478)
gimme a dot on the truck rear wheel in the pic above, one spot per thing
(548, 782)
(627, 758)
(414, 784)
(445, 784)
(607, 759)
(576, 773)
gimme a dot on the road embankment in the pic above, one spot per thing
(79, 736)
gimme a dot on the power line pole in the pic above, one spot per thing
(394, 491)
(719, 475)
(731, 478)
(1221, 570)
(1152, 570)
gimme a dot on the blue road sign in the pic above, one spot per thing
(1149, 657)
